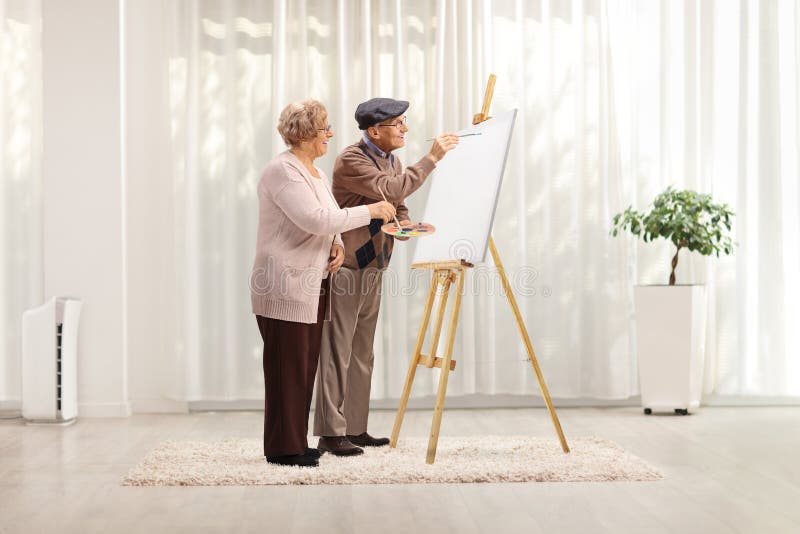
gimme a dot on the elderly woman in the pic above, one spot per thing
(298, 246)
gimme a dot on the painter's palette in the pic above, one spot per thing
(415, 230)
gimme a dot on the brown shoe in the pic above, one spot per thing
(338, 446)
(365, 440)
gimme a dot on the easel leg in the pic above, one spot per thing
(445, 278)
(442, 391)
(528, 345)
(412, 366)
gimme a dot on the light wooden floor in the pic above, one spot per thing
(727, 470)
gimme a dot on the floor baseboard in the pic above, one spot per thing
(499, 402)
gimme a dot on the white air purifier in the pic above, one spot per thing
(50, 361)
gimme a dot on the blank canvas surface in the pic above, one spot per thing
(463, 194)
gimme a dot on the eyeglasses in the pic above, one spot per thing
(327, 129)
(398, 124)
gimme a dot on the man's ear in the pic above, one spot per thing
(372, 131)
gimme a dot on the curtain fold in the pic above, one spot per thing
(20, 181)
(617, 100)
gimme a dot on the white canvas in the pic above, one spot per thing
(463, 195)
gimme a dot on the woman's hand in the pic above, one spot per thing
(442, 145)
(336, 258)
(381, 210)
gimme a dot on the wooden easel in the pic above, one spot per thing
(445, 274)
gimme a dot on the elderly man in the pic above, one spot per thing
(363, 173)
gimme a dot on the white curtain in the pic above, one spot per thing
(709, 101)
(617, 100)
(20, 181)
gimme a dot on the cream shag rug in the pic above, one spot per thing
(240, 462)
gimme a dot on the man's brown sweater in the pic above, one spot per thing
(359, 175)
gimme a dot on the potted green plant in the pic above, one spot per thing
(670, 319)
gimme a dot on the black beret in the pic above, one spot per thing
(377, 110)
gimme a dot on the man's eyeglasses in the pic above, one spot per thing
(326, 129)
(398, 124)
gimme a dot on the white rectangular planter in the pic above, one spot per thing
(670, 341)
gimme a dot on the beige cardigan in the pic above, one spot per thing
(296, 229)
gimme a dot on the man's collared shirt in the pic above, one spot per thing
(377, 150)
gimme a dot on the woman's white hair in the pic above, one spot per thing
(299, 121)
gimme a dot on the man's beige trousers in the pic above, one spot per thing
(346, 356)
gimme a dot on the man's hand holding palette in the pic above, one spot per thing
(408, 229)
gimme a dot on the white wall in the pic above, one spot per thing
(150, 259)
(82, 184)
(107, 198)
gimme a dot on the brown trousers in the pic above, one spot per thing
(346, 356)
(291, 353)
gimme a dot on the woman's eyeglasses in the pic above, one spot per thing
(326, 129)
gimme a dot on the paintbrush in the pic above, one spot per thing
(399, 228)
(462, 135)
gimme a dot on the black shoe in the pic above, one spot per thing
(313, 453)
(365, 440)
(299, 460)
(338, 446)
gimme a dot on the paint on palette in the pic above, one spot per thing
(415, 230)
